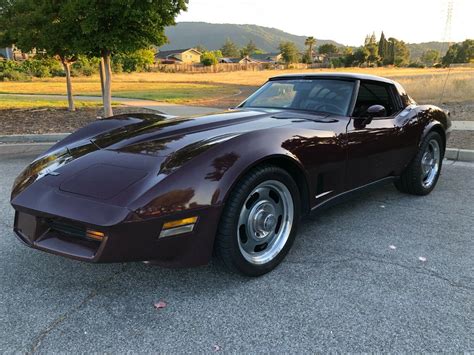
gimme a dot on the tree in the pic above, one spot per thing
(370, 39)
(348, 57)
(210, 58)
(373, 56)
(382, 47)
(289, 52)
(397, 53)
(328, 49)
(460, 52)
(310, 42)
(42, 25)
(249, 49)
(466, 52)
(307, 59)
(118, 26)
(401, 53)
(229, 49)
(372, 48)
(360, 55)
(430, 57)
(201, 48)
(451, 55)
(390, 56)
(139, 60)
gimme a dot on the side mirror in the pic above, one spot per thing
(371, 113)
(376, 111)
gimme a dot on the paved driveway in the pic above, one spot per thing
(353, 281)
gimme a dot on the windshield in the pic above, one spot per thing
(320, 95)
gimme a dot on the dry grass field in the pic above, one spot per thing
(424, 85)
(123, 86)
(27, 103)
(24, 115)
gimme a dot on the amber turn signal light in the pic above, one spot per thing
(180, 222)
(179, 226)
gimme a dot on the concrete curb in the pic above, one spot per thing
(460, 154)
(30, 145)
(33, 138)
(462, 125)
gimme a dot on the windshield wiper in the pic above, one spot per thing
(315, 117)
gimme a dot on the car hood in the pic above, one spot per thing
(164, 136)
(165, 144)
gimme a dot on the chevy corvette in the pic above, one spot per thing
(177, 190)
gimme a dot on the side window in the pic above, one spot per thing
(406, 99)
(374, 94)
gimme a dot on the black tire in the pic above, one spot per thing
(411, 180)
(227, 243)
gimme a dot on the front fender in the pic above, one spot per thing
(200, 186)
(207, 179)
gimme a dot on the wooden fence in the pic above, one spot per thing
(228, 67)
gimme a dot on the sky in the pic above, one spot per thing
(345, 21)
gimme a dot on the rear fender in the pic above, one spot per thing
(434, 119)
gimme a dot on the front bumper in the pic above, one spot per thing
(126, 241)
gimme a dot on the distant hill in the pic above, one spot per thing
(212, 36)
(417, 49)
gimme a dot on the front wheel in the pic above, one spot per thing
(421, 176)
(259, 221)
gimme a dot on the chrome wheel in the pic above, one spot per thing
(430, 163)
(265, 222)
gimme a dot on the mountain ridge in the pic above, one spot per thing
(213, 35)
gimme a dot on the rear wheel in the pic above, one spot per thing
(421, 176)
(259, 221)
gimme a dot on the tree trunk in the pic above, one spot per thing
(70, 99)
(102, 75)
(107, 97)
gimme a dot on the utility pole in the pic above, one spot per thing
(448, 24)
(447, 40)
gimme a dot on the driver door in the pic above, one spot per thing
(373, 144)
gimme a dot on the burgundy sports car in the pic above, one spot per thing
(235, 184)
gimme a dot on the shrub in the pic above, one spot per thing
(34, 67)
(58, 72)
(336, 63)
(209, 58)
(416, 65)
(140, 60)
(42, 72)
(13, 75)
(117, 67)
(9, 65)
(11, 71)
(85, 66)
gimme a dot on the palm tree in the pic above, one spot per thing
(310, 43)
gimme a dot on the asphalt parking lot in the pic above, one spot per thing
(382, 272)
